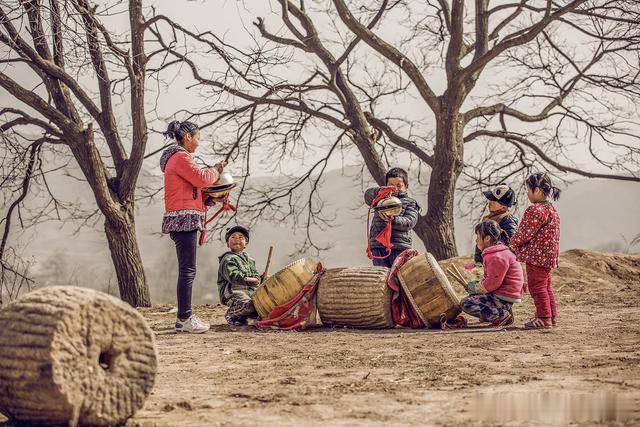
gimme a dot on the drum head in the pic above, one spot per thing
(219, 188)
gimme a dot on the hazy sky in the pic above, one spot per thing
(232, 20)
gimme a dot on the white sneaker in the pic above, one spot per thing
(192, 325)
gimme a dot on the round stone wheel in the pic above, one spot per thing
(72, 356)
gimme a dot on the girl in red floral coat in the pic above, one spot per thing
(536, 244)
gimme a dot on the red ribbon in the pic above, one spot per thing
(226, 206)
(402, 311)
(384, 237)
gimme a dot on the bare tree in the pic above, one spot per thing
(61, 64)
(538, 82)
(14, 271)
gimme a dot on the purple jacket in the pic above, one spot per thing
(502, 273)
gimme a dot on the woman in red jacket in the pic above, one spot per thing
(185, 212)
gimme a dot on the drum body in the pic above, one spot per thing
(283, 286)
(356, 297)
(429, 290)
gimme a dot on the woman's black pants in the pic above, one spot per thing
(186, 244)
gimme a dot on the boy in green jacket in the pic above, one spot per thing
(238, 278)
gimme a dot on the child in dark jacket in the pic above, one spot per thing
(238, 278)
(500, 199)
(491, 299)
(401, 225)
(536, 244)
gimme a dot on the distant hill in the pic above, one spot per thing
(595, 214)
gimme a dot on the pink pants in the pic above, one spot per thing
(539, 282)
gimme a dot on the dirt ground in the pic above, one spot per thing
(238, 376)
(585, 370)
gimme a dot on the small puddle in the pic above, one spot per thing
(552, 407)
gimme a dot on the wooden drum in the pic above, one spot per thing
(429, 290)
(355, 297)
(283, 286)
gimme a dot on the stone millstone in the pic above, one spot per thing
(356, 297)
(74, 356)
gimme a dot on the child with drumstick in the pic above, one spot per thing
(238, 278)
(491, 299)
(536, 244)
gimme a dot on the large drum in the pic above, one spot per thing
(356, 297)
(429, 290)
(283, 286)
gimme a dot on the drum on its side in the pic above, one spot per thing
(429, 290)
(356, 297)
(283, 286)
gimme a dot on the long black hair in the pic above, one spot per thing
(177, 130)
(543, 182)
(492, 229)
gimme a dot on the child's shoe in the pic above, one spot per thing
(554, 322)
(192, 325)
(235, 320)
(508, 320)
(538, 323)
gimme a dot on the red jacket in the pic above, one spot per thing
(538, 237)
(183, 181)
(502, 273)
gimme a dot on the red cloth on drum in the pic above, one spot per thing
(297, 313)
(384, 237)
(402, 312)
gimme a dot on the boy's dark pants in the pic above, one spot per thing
(486, 307)
(186, 243)
(240, 304)
(388, 261)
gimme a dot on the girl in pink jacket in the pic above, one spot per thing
(491, 299)
(185, 212)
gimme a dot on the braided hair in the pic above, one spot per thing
(492, 229)
(543, 182)
(177, 130)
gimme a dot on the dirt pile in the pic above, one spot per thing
(238, 376)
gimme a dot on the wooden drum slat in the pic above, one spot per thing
(355, 297)
(283, 286)
(429, 289)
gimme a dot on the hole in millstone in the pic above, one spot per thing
(107, 359)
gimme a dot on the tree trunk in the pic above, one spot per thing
(123, 244)
(436, 229)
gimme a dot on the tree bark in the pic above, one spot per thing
(436, 229)
(123, 245)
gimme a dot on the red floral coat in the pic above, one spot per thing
(537, 239)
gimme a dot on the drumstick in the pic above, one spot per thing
(455, 275)
(454, 272)
(457, 279)
(266, 268)
(455, 267)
